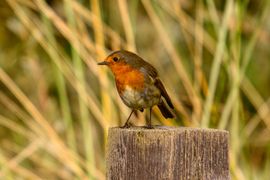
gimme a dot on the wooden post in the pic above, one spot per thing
(167, 153)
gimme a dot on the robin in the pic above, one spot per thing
(138, 84)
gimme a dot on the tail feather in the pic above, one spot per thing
(165, 110)
(164, 93)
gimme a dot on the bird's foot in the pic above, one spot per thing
(126, 125)
(149, 126)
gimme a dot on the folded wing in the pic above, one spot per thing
(164, 93)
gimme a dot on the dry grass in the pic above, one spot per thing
(56, 104)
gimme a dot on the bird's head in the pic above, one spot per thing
(119, 60)
(116, 58)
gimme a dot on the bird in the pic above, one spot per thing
(138, 84)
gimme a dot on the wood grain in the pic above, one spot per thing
(167, 153)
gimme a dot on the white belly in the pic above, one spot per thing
(137, 100)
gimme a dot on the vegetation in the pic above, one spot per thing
(56, 104)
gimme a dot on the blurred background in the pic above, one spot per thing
(56, 104)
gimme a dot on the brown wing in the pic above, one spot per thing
(164, 93)
(151, 71)
(148, 69)
(137, 62)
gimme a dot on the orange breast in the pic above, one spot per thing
(125, 75)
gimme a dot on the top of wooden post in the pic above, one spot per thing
(168, 128)
(167, 153)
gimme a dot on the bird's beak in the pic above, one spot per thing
(103, 63)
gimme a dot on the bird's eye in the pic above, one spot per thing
(115, 59)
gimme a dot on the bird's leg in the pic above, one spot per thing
(127, 125)
(149, 125)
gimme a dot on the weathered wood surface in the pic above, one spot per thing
(167, 153)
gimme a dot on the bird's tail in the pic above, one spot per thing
(165, 110)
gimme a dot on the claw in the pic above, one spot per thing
(126, 125)
(149, 127)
